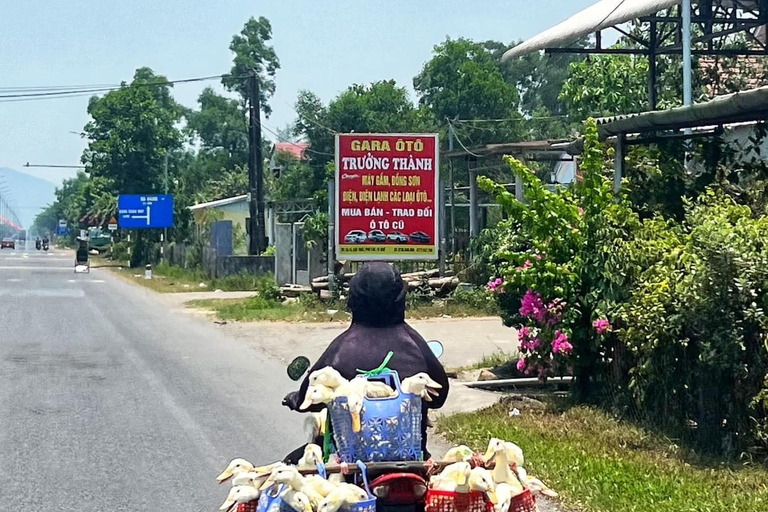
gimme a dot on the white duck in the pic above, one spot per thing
(249, 479)
(504, 494)
(459, 453)
(238, 495)
(317, 394)
(344, 495)
(297, 500)
(480, 479)
(328, 377)
(313, 455)
(534, 484)
(501, 452)
(454, 478)
(421, 385)
(235, 467)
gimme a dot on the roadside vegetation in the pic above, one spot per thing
(598, 463)
(173, 279)
(308, 308)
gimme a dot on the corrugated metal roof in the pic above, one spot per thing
(220, 202)
(749, 105)
(603, 14)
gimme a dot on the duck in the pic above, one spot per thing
(297, 500)
(235, 467)
(313, 455)
(420, 384)
(376, 389)
(290, 477)
(534, 484)
(250, 479)
(316, 423)
(317, 394)
(344, 495)
(239, 494)
(454, 478)
(481, 480)
(501, 471)
(504, 494)
(461, 453)
(514, 453)
(328, 377)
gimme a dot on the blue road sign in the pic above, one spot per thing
(145, 211)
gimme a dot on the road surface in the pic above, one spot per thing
(108, 401)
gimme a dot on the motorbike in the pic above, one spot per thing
(397, 486)
(38, 244)
(45, 245)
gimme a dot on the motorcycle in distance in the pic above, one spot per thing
(38, 244)
(398, 486)
(45, 244)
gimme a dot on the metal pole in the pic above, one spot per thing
(165, 230)
(687, 72)
(652, 43)
(441, 211)
(331, 235)
(473, 228)
(452, 184)
(618, 165)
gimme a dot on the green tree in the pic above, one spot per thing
(130, 132)
(463, 80)
(253, 54)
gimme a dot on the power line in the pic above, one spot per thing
(314, 122)
(462, 144)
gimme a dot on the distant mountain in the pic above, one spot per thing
(30, 193)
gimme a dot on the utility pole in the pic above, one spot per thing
(255, 169)
(452, 198)
(165, 230)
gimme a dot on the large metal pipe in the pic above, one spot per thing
(687, 68)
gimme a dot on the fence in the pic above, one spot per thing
(222, 266)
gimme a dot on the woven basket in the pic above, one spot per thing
(524, 502)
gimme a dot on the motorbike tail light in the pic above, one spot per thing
(381, 491)
(419, 490)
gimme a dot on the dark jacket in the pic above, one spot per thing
(377, 302)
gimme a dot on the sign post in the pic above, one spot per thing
(145, 211)
(387, 200)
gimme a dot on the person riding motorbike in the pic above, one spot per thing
(377, 302)
(38, 243)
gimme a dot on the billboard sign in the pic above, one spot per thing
(387, 196)
(145, 211)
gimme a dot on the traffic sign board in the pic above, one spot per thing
(143, 211)
(112, 226)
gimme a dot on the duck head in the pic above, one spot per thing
(235, 467)
(328, 376)
(480, 479)
(238, 495)
(317, 394)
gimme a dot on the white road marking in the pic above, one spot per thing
(13, 280)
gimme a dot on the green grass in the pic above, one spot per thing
(310, 309)
(600, 464)
(173, 279)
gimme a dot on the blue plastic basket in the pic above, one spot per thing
(390, 427)
(368, 505)
(270, 501)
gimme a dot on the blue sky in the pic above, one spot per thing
(323, 46)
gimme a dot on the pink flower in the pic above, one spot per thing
(601, 325)
(521, 364)
(538, 256)
(527, 264)
(581, 210)
(532, 306)
(531, 344)
(495, 284)
(523, 333)
(561, 345)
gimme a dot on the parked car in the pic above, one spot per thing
(7, 242)
(356, 236)
(420, 237)
(397, 237)
(377, 236)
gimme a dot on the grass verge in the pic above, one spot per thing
(600, 464)
(172, 279)
(309, 309)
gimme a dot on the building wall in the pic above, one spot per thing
(238, 213)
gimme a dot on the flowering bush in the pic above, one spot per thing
(551, 259)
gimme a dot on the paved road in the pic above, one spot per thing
(108, 401)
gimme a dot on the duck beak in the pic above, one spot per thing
(226, 475)
(432, 384)
(489, 455)
(269, 482)
(463, 479)
(227, 505)
(492, 496)
(356, 427)
(431, 391)
(305, 404)
(426, 397)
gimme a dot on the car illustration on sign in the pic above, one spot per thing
(420, 237)
(377, 235)
(356, 236)
(397, 237)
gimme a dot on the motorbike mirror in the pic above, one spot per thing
(297, 367)
(436, 347)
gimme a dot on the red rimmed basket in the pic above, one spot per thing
(251, 506)
(448, 501)
(523, 502)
